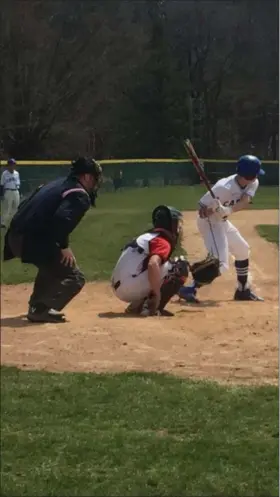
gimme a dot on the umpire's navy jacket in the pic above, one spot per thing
(44, 221)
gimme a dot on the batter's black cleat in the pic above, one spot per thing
(36, 315)
(247, 295)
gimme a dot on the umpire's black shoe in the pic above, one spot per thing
(247, 295)
(45, 316)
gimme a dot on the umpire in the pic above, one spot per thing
(39, 235)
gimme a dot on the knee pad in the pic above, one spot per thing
(79, 279)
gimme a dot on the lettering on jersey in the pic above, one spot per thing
(231, 202)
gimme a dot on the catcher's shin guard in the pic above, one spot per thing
(170, 287)
(173, 281)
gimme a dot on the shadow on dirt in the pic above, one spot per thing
(112, 315)
(202, 303)
(19, 321)
(185, 307)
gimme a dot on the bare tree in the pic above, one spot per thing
(62, 63)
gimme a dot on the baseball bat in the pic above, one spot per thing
(198, 164)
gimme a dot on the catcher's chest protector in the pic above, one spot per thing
(136, 253)
(135, 256)
(36, 212)
(167, 236)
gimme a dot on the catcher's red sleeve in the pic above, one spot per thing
(161, 247)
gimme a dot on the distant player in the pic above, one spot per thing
(220, 236)
(9, 190)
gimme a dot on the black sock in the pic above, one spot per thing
(242, 271)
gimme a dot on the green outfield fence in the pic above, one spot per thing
(139, 172)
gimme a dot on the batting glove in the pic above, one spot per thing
(223, 211)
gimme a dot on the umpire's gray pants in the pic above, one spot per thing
(56, 285)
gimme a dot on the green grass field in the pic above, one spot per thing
(134, 434)
(270, 232)
(118, 217)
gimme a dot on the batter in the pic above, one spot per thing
(220, 236)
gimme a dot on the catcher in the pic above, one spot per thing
(145, 277)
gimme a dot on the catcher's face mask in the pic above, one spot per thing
(180, 226)
(177, 221)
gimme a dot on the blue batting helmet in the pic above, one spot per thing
(249, 166)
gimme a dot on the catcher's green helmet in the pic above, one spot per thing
(167, 217)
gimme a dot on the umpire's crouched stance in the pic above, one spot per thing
(39, 235)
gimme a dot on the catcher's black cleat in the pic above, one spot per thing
(46, 316)
(247, 295)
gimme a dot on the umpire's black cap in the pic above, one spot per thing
(86, 165)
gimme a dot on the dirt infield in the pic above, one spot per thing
(219, 339)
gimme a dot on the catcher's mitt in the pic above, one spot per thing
(205, 271)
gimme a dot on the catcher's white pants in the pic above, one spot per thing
(132, 289)
(10, 205)
(221, 239)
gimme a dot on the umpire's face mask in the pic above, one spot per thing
(92, 185)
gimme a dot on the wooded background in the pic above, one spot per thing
(129, 79)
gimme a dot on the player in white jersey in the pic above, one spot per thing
(144, 275)
(10, 185)
(220, 236)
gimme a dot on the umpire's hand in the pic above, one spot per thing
(67, 257)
